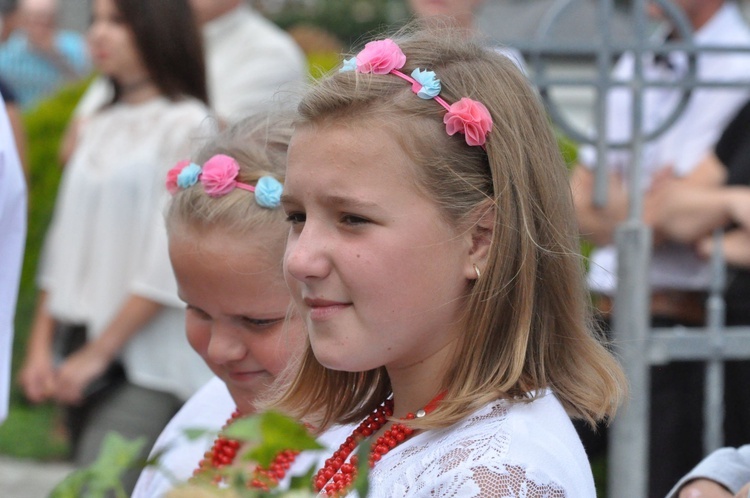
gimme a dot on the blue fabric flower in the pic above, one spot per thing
(188, 176)
(268, 192)
(430, 84)
(348, 65)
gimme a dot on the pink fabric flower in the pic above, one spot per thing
(172, 175)
(219, 176)
(380, 57)
(470, 118)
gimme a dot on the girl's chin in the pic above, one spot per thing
(244, 398)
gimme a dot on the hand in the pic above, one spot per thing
(735, 244)
(77, 372)
(37, 376)
(664, 184)
(704, 488)
(662, 177)
(739, 206)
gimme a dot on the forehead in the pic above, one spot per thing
(210, 247)
(427, 7)
(349, 158)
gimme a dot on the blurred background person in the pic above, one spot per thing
(462, 14)
(248, 60)
(108, 299)
(679, 277)
(38, 57)
(725, 473)
(13, 230)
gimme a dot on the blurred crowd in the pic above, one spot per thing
(107, 341)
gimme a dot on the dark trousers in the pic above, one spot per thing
(676, 418)
(112, 404)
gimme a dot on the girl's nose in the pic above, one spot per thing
(306, 254)
(225, 345)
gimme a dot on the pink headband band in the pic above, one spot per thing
(467, 116)
(219, 177)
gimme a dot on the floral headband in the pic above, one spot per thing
(219, 177)
(467, 116)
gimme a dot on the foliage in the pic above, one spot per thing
(105, 474)
(266, 434)
(270, 434)
(28, 433)
(348, 21)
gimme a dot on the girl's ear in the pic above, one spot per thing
(480, 231)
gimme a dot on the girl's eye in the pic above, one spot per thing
(353, 219)
(257, 323)
(295, 218)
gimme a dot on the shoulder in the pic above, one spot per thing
(496, 451)
(210, 407)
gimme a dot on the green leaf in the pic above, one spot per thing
(302, 482)
(103, 477)
(116, 457)
(246, 429)
(362, 483)
(280, 433)
(72, 486)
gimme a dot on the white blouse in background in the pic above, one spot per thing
(107, 239)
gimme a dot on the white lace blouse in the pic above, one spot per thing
(500, 451)
(107, 239)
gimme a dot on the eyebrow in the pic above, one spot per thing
(335, 200)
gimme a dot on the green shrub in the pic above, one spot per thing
(44, 127)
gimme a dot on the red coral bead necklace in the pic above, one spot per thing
(338, 475)
(224, 451)
(339, 472)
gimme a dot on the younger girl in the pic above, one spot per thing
(226, 241)
(433, 259)
(226, 244)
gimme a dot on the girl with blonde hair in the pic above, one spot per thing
(433, 257)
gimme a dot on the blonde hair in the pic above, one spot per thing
(527, 319)
(259, 145)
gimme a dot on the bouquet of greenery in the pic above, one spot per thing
(266, 435)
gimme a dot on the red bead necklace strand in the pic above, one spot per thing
(337, 476)
(224, 451)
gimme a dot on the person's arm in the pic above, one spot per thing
(37, 374)
(690, 208)
(598, 224)
(704, 488)
(69, 140)
(720, 475)
(85, 365)
(735, 246)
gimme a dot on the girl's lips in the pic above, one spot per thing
(244, 376)
(321, 309)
